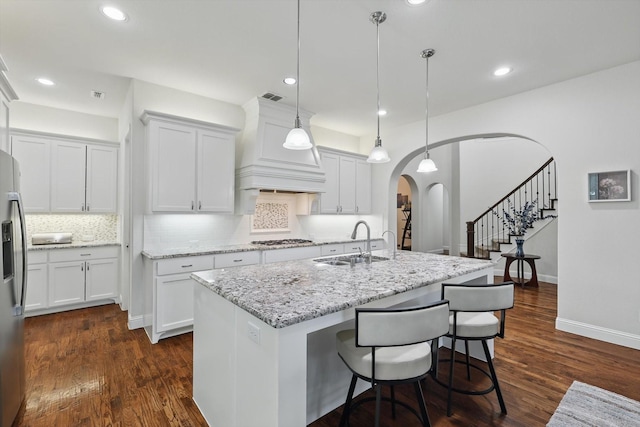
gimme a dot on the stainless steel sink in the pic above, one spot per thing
(349, 260)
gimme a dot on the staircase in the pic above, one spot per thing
(486, 234)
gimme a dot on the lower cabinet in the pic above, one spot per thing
(37, 282)
(63, 279)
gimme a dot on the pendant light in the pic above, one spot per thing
(297, 138)
(427, 165)
(378, 153)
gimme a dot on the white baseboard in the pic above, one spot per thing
(136, 322)
(598, 333)
(527, 275)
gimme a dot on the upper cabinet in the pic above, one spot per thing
(65, 174)
(7, 94)
(348, 183)
(191, 164)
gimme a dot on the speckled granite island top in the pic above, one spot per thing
(285, 293)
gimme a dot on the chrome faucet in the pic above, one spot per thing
(395, 242)
(355, 233)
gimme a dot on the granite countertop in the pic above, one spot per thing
(285, 293)
(78, 244)
(222, 249)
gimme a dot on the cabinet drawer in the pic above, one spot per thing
(37, 257)
(185, 265)
(236, 259)
(62, 255)
(377, 244)
(290, 254)
(355, 247)
(334, 249)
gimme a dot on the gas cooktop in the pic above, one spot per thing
(281, 242)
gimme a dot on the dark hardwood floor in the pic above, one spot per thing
(85, 368)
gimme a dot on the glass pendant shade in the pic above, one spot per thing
(378, 154)
(297, 139)
(427, 165)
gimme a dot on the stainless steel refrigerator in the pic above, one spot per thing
(13, 291)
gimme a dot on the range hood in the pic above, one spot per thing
(264, 163)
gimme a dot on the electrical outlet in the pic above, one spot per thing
(254, 332)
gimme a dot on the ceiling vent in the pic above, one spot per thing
(97, 94)
(272, 96)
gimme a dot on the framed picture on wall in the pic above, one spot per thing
(612, 186)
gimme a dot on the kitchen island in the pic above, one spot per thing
(264, 335)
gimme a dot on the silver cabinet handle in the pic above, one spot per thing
(85, 254)
(237, 260)
(82, 208)
(332, 250)
(357, 209)
(199, 205)
(82, 267)
(88, 266)
(337, 208)
(88, 207)
(192, 205)
(187, 266)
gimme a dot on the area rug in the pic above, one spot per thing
(586, 405)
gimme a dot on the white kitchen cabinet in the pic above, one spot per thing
(191, 164)
(170, 292)
(37, 282)
(82, 275)
(84, 177)
(347, 185)
(7, 94)
(363, 186)
(102, 179)
(34, 157)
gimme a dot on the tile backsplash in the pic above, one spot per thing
(100, 227)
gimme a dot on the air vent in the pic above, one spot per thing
(272, 96)
(97, 94)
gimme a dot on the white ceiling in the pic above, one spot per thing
(233, 50)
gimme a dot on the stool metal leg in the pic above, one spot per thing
(423, 407)
(378, 399)
(453, 360)
(494, 377)
(393, 403)
(466, 352)
(347, 404)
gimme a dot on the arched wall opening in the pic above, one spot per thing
(441, 205)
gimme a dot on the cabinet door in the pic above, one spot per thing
(66, 283)
(101, 279)
(363, 187)
(33, 155)
(174, 302)
(68, 162)
(347, 185)
(216, 172)
(173, 162)
(102, 179)
(330, 199)
(37, 287)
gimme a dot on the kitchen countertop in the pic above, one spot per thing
(155, 254)
(285, 293)
(80, 244)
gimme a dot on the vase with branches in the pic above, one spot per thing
(518, 221)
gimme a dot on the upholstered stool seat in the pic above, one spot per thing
(475, 325)
(389, 347)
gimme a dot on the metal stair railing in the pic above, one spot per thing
(486, 232)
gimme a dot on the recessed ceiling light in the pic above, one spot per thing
(44, 81)
(502, 71)
(289, 80)
(415, 2)
(382, 112)
(114, 13)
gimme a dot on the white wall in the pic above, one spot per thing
(63, 122)
(588, 124)
(332, 139)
